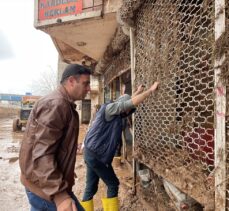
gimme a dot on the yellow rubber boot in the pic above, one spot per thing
(88, 205)
(110, 204)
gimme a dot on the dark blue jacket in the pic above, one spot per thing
(103, 137)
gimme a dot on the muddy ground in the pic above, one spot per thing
(12, 195)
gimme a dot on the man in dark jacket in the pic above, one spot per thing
(101, 142)
(48, 150)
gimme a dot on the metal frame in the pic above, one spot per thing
(94, 6)
(132, 64)
(220, 111)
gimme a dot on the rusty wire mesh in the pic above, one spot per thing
(174, 129)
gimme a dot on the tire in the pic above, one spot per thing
(16, 125)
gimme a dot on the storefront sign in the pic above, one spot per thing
(50, 9)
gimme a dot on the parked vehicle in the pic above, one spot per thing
(27, 104)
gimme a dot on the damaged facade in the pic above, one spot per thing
(181, 132)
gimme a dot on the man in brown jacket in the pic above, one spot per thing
(48, 150)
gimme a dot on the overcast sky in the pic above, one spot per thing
(24, 51)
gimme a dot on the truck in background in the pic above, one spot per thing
(27, 104)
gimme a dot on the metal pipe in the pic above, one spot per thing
(220, 109)
(132, 57)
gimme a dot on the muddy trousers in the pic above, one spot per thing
(39, 204)
(97, 170)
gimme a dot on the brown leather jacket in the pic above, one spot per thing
(48, 151)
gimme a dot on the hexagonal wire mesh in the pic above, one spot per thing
(174, 129)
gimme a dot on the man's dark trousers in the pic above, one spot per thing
(96, 170)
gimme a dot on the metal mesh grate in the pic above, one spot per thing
(174, 132)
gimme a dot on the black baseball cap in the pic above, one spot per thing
(74, 69)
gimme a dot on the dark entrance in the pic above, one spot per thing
(86, 111)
